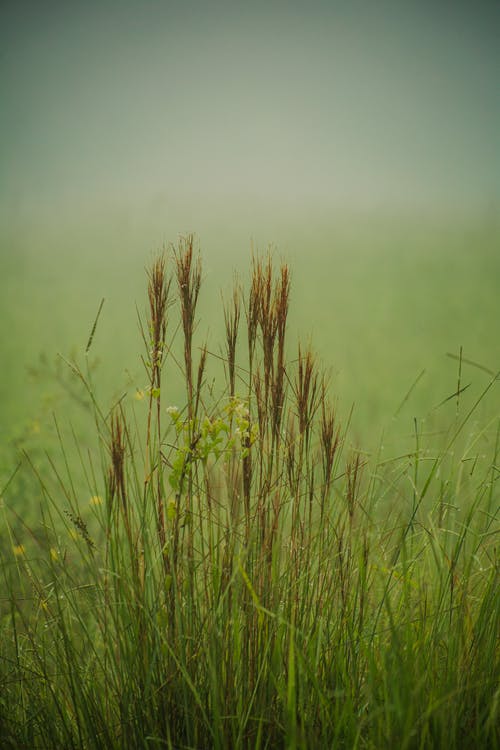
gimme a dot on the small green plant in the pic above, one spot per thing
(233, 573)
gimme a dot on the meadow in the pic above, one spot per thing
(251, 512)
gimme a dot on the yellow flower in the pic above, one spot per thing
(19, 550)
(95, 500)
(139, 394)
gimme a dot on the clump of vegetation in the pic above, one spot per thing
(235, 575)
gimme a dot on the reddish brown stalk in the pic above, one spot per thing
(281, 303)
(306, 392)
(199, 378)
(247, 483)
(330, 440)
(290, 456)
(117, 486)
(158, 296)
(117, 481)
(253, 311)
(260, 404)
(188, 272)
(268, 324)
(306, 401)
(231, 320)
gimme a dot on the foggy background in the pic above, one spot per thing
(334, 129)
(158, 107)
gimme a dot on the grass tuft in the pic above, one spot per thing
(232, 573)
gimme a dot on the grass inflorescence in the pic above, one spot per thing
(240, 576)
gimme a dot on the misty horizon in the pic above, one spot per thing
(165, 107)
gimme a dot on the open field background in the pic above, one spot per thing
(360, 141)
(382, 303)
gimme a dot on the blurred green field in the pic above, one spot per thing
(382, 302)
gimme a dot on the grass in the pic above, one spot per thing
(231, 572)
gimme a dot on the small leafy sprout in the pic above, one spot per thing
(245, 432)
(171, 509)
(213, 438)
